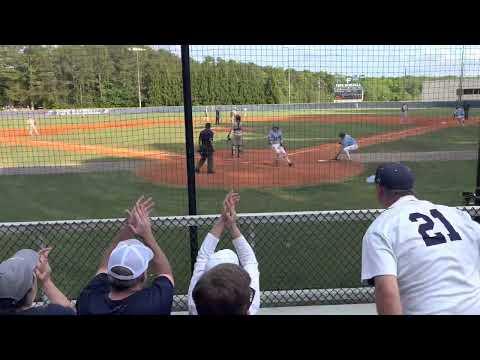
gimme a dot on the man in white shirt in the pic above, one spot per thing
(421, 257)
(244, 271)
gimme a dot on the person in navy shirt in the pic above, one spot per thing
(206, 150)
(120, 285)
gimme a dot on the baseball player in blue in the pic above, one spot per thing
(459, 114)
(348, 144)
(275, 138)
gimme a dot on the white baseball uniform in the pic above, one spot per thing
(275, 138)
(248, 262)
(433, 250)
(32, 128)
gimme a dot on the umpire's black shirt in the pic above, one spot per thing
(206, 138)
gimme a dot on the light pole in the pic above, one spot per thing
(288, 64)
(289, 85)
(137, 50)
(460, 92)
(319, 84)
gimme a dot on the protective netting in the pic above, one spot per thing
(305, 258)
(102, 124)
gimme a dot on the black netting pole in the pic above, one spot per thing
(189, 149)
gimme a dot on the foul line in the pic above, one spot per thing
(94, 149)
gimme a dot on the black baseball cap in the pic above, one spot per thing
(393, 176)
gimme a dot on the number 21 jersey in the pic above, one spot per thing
(433, 250)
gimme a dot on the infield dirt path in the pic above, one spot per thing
(253, 169)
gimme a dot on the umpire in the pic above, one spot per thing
(206, 149)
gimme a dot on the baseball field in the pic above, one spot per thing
(95, 166)
(110, 159)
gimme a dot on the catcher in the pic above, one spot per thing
(237, 142)
(275, 138)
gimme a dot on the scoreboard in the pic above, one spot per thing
(348, 93)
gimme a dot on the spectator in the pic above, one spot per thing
(19, 278)
(421, 257)
(119, 286)
(466, 107)
(222, 283)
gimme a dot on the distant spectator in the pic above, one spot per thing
(119, 287)
(19, 277)
(222, 282)
(466, 108)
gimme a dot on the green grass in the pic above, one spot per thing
(19, 121)
(172, 138)
(450, 139)
(291, 255)
(106, 195)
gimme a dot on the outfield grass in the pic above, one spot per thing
(450, 139)
(19, 120)
(172, 138)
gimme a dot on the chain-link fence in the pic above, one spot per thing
(306, 258)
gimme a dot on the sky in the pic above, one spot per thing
(351, 60)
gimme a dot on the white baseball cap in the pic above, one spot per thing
(132, 255)
(225, 256)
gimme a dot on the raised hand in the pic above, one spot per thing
(141, 224)
(43, 270)
(145, 205)
(229, 213)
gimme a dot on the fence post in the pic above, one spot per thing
(189, 150)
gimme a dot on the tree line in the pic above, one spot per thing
(107, 76)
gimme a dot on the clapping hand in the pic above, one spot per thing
(147, 205)
(139, 217)
(43, 270)
(229, 213)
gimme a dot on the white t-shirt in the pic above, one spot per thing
(433, 250)
(248, 262)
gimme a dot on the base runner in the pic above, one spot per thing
(275, 138)
(32, 127)
(236, 129)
